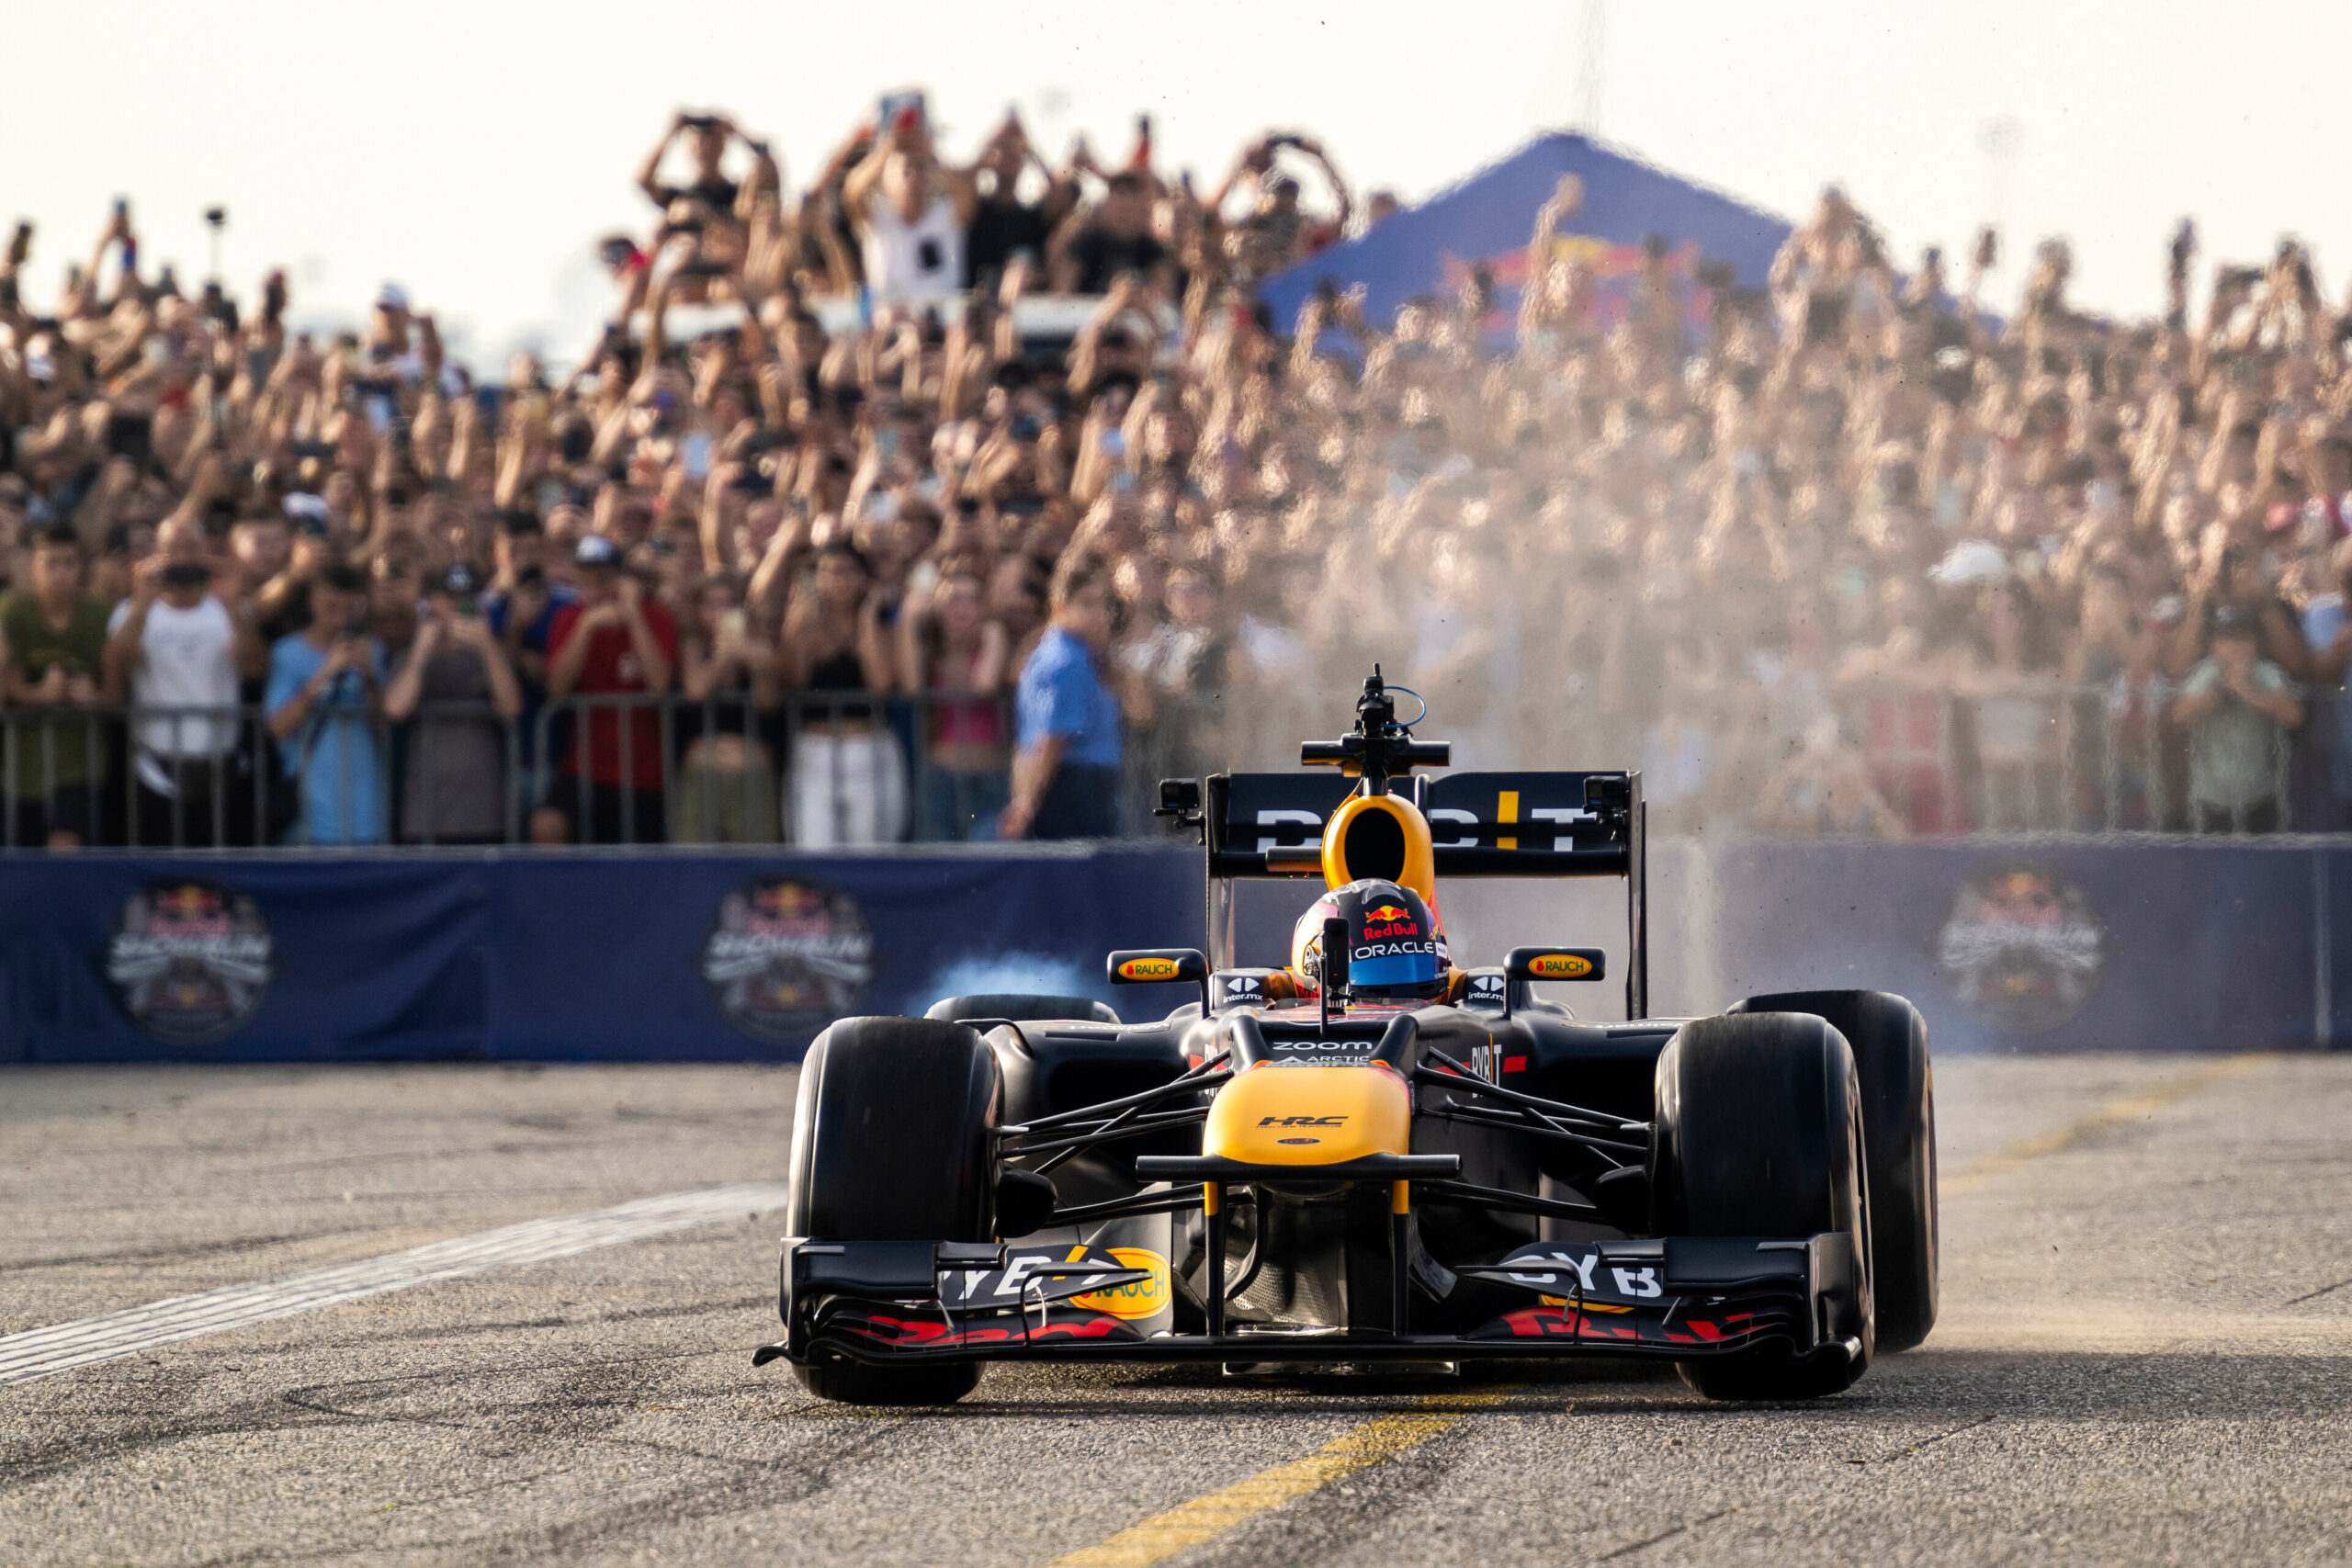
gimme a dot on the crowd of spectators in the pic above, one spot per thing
(950, 500)
(1847, 555)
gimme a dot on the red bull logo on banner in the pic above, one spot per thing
(190, 960)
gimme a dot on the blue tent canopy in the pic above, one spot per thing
(1433, 248)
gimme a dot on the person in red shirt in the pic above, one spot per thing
(613, 642)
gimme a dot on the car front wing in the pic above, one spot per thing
(1678, 1297)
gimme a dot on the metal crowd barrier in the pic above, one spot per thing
(90, 725)
(824, 769)
(226, 782)
(2055, 758)
(202, 754)
(855, 760)
(721, 770)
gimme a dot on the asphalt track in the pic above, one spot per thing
(2145, 1357)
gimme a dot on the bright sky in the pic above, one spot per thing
(473, 151)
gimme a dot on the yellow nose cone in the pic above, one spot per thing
(1281, 1115)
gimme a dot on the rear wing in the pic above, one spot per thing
(1515, 824)
(1565, 824)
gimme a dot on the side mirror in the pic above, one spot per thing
(1554, 964)
(1252, 988)
(1160, 966)
(1488, 991)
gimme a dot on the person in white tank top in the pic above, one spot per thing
(911, 213)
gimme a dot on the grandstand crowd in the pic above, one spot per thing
(955, 499)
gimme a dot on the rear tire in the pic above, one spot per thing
(1890, 1044)
(1760, 1133)
(892, 1141)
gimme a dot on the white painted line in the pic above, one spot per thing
(61, 1347)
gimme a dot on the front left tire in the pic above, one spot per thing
(893, 1140)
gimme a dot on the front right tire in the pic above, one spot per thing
(1890, 1044)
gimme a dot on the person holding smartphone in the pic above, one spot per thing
(614, 640)
(179, 647)
(2239, 710)
(456, 784)
(710, 187)
(726, 791)
(952, 651)
(322, 701)
(55, 636)
(1092, 251)
(1002, 224)
(911, 213)
(848, 777)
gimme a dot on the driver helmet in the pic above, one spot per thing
(1398, 950)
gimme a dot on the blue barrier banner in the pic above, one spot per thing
(686, 958)
(680, 956)
(2046, 946)
(268, 959)
(651, 956)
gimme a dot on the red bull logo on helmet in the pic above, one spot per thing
(1387, 921)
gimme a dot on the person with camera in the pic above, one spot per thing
(705, 224)
(54, 636)
(2231, 576)
(615, 641)
(454, 784)
(1095, 247)
(711, 188)
(179, 647)
(726, 789)
(321, 702)
(1002, 224)
(848, 776)
(953, 652)
(2238, 708)
(911, 211)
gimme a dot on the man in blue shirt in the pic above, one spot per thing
(1066, 776)
(324, 685)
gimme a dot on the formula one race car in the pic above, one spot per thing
(1366, 1156)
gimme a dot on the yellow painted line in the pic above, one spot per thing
(2001, 1161)
(1204, 1519)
